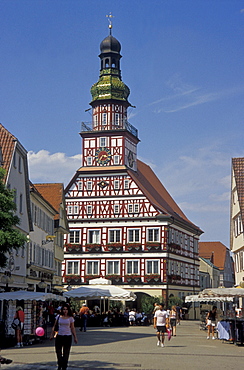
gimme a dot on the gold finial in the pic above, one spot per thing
(110, 26)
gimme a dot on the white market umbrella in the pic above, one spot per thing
(30, 296)
(199, 298)
(223, 292)
(101, 291)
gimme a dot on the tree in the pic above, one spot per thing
(147, 303)
(10, 237)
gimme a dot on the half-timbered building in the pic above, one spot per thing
(123, 223)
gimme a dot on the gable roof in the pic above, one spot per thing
(154, 190)
(7, 144)
(215, 252)
(238, 168)
(53, 193)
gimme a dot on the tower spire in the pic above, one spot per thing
(110, 26)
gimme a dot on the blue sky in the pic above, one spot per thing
(183, 62)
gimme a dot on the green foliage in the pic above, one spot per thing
(10, 238)
(175, 301)
(147, 303)
(116, 304)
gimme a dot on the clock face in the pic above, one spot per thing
(130, 159)
(103, 155)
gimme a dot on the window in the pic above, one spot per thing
(89, 185)
(116, 119)
(80, 185)
(134, 236)
(20, 164)
(89, 210)
(14, 160)
(126, 184)
(114, 236)
(152, 267)
(104, 118)
(103, 142)
(116, 184)
(93, 236)
(72, 267)
(20, 203)
(116, 208)
(70, 210)
(238, 228)
(15, 196)
(89, 161)
(132, 267)
(116, 159)
(136, 208)
(76, 209)
(113, 267)
(133, 208)
(92, 268)
(74, 236)
(153, 235)
(95, 120)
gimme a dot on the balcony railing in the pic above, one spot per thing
(124, 125)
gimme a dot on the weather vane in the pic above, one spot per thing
(110, 26)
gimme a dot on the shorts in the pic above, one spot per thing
(173, 322)
(211, 323)
(132, 318)
(161, 329)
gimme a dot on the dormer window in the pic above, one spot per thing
(104, 118)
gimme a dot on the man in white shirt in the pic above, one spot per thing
(161, 323)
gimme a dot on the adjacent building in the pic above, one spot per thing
(14, 161)
(124, 225)
(219, 255)
(54, 194)
(237, 218)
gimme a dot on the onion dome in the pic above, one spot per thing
(110, 45)
(110, 84)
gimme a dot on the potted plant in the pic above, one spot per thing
(93, 247)
(114, 247)
(152, 278)
(135, 247)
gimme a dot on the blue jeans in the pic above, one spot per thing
(84, 321)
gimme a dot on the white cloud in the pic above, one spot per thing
(57, 167)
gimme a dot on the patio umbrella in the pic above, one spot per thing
(101, 291)
(30, 296)
(222, 292)
(200, 298)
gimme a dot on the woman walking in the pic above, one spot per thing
(63, 340)
(20, 328)
(172, 319)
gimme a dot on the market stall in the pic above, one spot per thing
(33, 304)
(230, 327)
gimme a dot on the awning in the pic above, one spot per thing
(30, 296)
(101, 291)
(199, 298)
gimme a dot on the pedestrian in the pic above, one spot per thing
(20, 327)
(211, 321)
(84, 312)
(132, 316)
(63, 339)
(172, 319)
(179, 314)
(161, 323)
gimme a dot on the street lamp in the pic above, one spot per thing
(42, 284)
(7, 279)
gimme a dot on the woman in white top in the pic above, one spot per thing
(63, 339)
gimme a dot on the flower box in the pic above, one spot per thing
(114, 247)
(73, 248)
(93, 248)
(152, 278)
(72, 279)
(90, 277)
(133, 247)
(133, 279)
(152, 247)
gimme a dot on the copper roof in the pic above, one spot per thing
(7, 144)
(215, 252)
(238, 168)
(53, 193)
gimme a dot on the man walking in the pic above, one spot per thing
(84, 311)
(161, 323)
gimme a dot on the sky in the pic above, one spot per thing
(183, 62)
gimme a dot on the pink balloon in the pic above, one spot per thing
(40, 331)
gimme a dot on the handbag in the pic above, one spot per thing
(169, 333)
(56, 325)
(15, 323)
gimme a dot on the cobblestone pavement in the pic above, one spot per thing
(132, 348)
